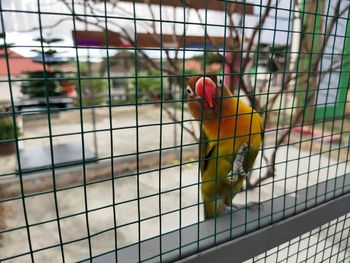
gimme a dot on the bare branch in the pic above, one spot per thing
(174, 119)
(153, 18)
(124, 36)
(60, 21)
(211, 40)
(291, 77)
(271, 167)
(232, 27)
(175, 38)
(257, 28)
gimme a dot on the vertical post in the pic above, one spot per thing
(296, 35)
(172, 95)
(92, 95)
(309, 47)
(331, 102)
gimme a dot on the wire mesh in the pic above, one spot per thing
(98, 147)
(328, 243)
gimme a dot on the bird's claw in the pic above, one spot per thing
(249, 205)
(238, 162)
(254, 205)
(237, 168)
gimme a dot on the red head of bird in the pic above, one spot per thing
(204, 95)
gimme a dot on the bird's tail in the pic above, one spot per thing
(208, 212)
(211, 210)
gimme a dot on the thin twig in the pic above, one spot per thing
(124, 36)
(256, 29)
(271, 166)
(285, 86)
(174, 119)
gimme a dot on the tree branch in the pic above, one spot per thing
(271, 167)
(256, 29)
(174, 119)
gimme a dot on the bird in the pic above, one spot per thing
(230, 140)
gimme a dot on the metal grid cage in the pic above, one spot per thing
(99, 152)
(328, 243)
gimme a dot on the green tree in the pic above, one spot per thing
(94, 88)
(149, 86)
(7, 127)
(211, 57)
(37, 81)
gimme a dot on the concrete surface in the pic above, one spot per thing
(99, 196)
(63, 153)
(124, 138)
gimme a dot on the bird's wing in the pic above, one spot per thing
(206, 150)
(208, 153)
(208, 156)
(253, 151)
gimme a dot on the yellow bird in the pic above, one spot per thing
(231, 139)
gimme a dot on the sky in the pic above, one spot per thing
(17, 24)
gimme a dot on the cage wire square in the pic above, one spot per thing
(100, 148)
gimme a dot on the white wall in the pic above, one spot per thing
(5, 91)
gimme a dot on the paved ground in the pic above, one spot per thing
(42, 208)
(290, 163)
(124, 137)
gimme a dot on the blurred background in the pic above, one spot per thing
(97, 148)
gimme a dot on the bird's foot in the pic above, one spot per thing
(249, 205)
(254, 205)
(237, 168)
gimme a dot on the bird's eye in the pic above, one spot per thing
(189, 91)
(219, 81)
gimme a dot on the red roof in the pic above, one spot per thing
(18, 64)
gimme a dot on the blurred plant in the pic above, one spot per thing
(210, 58)
(94, 88)
(7, 129)
(149, 86)
(45, 82)
(97, 96)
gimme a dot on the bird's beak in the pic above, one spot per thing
(206, 88)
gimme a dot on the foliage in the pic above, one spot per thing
(35, 85)
(93, 89)
(7, 129)
(45, 83)
(149, 85)
(211, 57)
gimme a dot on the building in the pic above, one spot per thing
(18, 67)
